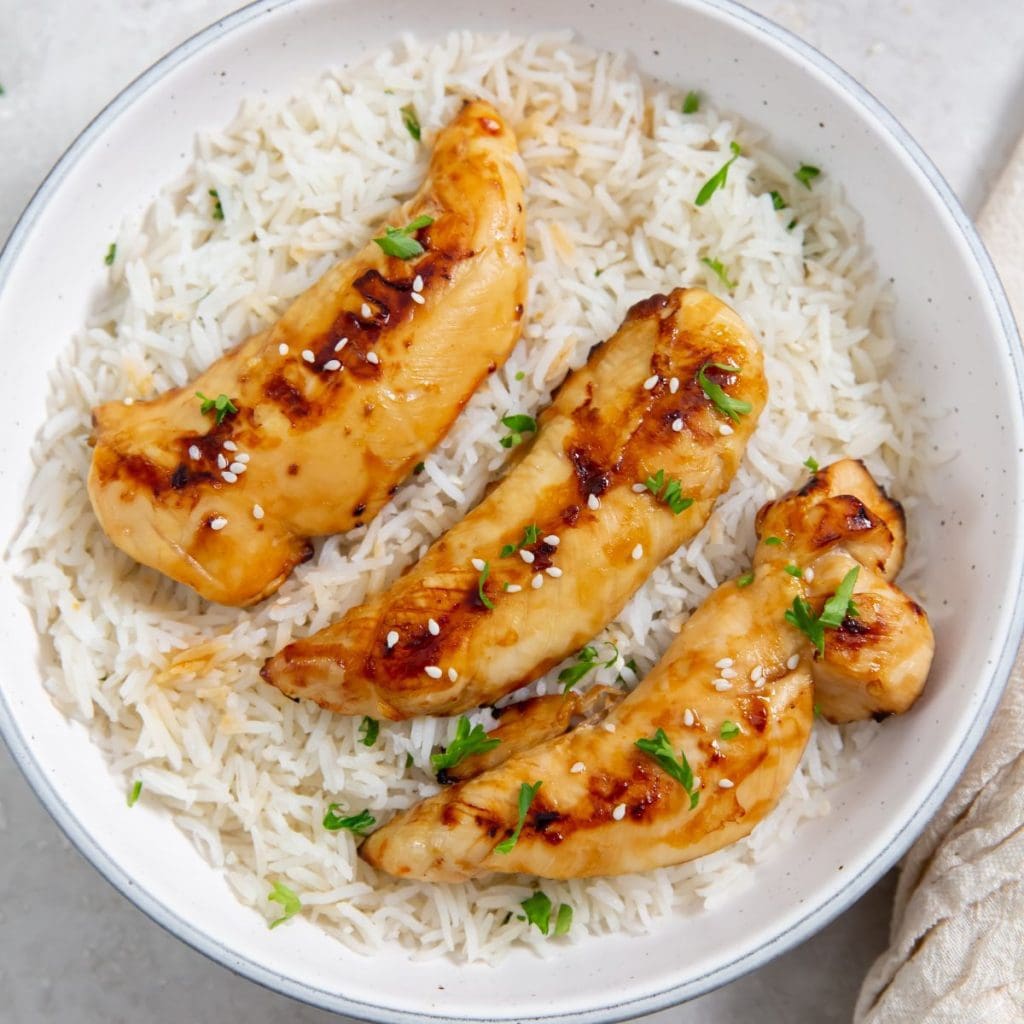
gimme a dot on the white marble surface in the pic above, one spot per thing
(71, 948)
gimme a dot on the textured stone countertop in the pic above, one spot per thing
(73, 949)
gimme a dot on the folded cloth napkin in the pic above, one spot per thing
(956, 951)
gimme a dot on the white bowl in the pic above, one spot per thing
(960, 347)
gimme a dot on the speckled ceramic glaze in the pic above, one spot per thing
(960, 348)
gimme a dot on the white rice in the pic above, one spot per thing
(168, 686)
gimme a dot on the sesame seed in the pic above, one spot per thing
(756, 673)
(513, 588)
(417, 283)
(608, 726)
(308, 355)
(619, 813)
(332, 364)
(238, 467)
(527, 556)
(688, 718)
(793, 661)
(638, 552)
(724, 429)
(650, 382)
(553, 571)
(729, 673)
(809, 575)
(257, 512)
(552, 539)
(725, 783)
(479, 564)
(416, 297)
(365, 311)
(341, 344)
(433, 628)
(392, 638)
(673, 385)
(723, 663)
(715, 746)
(372, 357)
(593, 502)
(222, 463)
(453, 675)
(542, 688)
(578, 768)
(242, 456)
(639, 488)
(537, 582)
(194, 451)
(677, 425)
(433, 671)
(282, 349)
(229, 477)
(230, 446)
(218, 523)
(129, 401)
(721, 685)
(696, 782)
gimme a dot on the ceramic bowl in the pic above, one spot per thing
(959, 346)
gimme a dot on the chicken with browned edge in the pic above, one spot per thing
(309, 426)
(555, 551)
(704, 747)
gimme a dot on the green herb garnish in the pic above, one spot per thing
(774, 542)
(538, 911)
(746, 579)
(520, 375)
(661, 750)
(811, 463)
(729, 730)
(111, 254)
(411, 121)
(531, 534)
(290, 903)
(837, 607)
(518, 424)
(806, 175)
(734, 408)
(817, 710)
(368, 730)
(222, 405)
(409, 762)
(792, 224)
(563, 921)
(418, 468)
(585, 661)
(718, 179)
(135, 793)
(778, 203)
(480, 581)
(795, 570)
(218, 210)
(802, 616)
(400, 242)
(466, 742)
(526, 795)
(692, 102)
(357, 823)
(670, 493)
(720, 272)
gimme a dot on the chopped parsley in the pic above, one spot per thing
(222, 405)
(778, 203)
(837, 607)
(734, 408)
(795, 570)
(135, 793)
(661, 750)
(368, 730)
(218, 210)
(811, 463)
(537, 911)
(356, 823)
(720, 271)
(774, 542)
(400, 242)
(466, 742)
(817, 710)
(586, 660)
(418, 468)
(290, 903)
(746, 579)
(411, 121)
(729, 730)
(518, 424)
(526, 796)
(792, 224)
(480, 581)
(409, 762)
(718, 179)
(520, 375)
(111, 254)
(692, 102)
(563, 920)
(806, 175)
(531, 534)
(670, 493)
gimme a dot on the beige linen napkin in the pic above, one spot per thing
(956, 953)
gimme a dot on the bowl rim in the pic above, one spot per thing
(816, 916)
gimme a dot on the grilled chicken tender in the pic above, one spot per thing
(557, 548)
(734, 693)
(362, 375)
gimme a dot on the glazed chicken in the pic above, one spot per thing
(557, 548)
(310, 425)
(721, 721)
